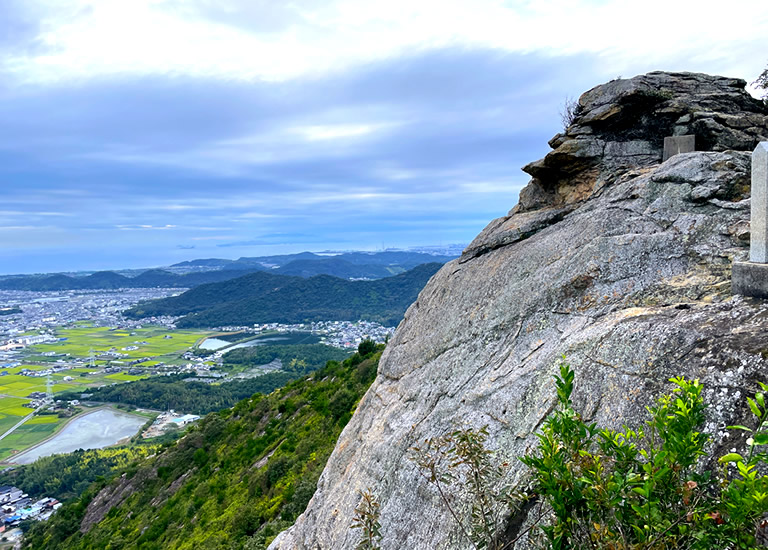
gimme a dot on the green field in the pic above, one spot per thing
(30, 433)
(12, 406)
(156, 342)
(11, 411)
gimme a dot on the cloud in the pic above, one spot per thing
(336, 131)
(145, 227)
(263, 126)
(277, 41)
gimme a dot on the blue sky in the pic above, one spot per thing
(137, 133)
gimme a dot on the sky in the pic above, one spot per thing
(139, 133)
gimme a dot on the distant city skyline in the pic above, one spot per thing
(148, 132)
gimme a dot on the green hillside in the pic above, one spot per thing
(234, 481)
(154, 278)
(266, 297)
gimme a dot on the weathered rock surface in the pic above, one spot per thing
(630, 281)
(622, 124)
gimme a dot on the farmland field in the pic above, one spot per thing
(30, 433)
(155, 342)
(76, 344)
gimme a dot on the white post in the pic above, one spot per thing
(758, 227)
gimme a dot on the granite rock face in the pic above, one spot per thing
(631, 281)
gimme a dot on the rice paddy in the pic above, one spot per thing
(157, 344)
(80, 344)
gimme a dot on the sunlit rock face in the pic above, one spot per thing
(612, 259)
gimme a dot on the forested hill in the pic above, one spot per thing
(264, 297)
(153, 278)
(351, 265)
(234, 481)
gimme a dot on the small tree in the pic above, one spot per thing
(367, 520)
(762, 83)
(366, 347)
(648, 489)
(571, 110)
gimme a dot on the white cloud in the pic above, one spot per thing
(140, 37)
(144, 227)
(335, 131)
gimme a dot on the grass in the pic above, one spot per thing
(12, 406)
(30, 433)
(8, 422)
(44, 419)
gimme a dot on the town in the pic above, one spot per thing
(16, 506)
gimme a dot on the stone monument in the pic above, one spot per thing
(674, 145)
(751, 278)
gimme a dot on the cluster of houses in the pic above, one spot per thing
(23, 341)
(16, 506)
(38, 373)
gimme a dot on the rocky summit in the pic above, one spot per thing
(612, 259)
(622, 125)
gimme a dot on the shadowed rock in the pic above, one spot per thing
(622, 125)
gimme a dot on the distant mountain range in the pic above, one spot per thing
(263, 297)
(393, 259)
(350, 265)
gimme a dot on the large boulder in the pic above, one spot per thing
(622, 124)
(630, 281)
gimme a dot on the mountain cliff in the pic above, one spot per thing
(612, 258)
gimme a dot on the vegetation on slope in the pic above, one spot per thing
(265, 297)
(154, 278)
(301, 358)
(647, 488)
(67, 476)
(234, 481)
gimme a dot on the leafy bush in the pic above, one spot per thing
(366, 347)
(647, 489)
(638, 489)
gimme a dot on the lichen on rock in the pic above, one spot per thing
(612, 259)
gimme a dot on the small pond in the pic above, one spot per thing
(95, 430)
(214, 344)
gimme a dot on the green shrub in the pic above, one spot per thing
(367, 520)
(366, 347)
(647, 489)
(633, 489)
